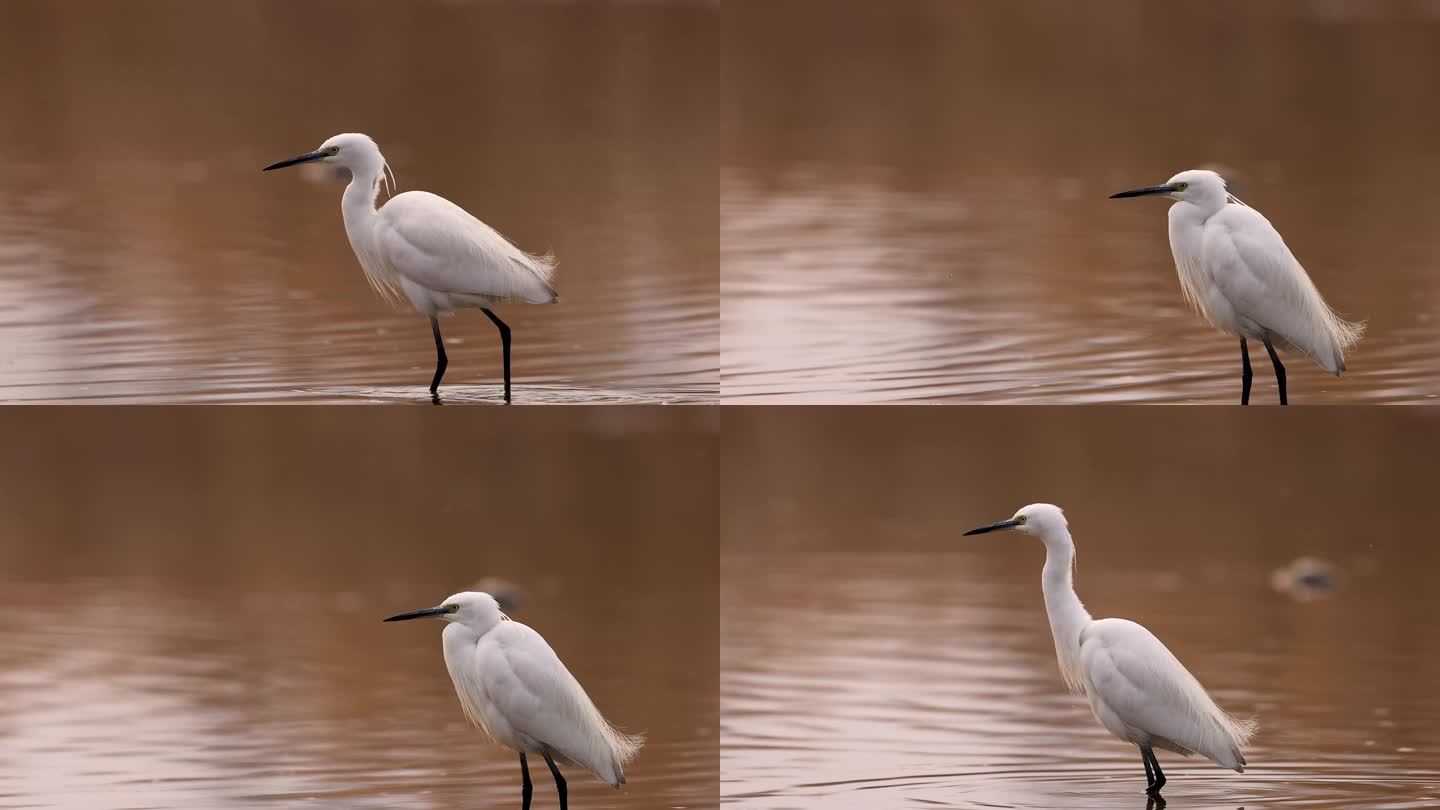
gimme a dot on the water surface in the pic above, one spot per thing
(873, 657)
(192, 603)
(144, 257)
(913, 195)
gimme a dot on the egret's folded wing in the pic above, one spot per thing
(532, 689)
(1264, 282)
(1138, 678)
(439, 246)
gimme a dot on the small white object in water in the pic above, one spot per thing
(1305, 579)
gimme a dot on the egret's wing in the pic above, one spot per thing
(441, 247)
(1135, 676)
(1262, 280)
(529, 686)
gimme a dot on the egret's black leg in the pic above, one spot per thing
(1159, 774)
(1245, 373)
(1149, 774)
(504, 347)
(559, 780)
(440, 359)
(1154, 801)
(1279, 369)
(526, 788)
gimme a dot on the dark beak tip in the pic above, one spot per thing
(414, 614)
(308, 157)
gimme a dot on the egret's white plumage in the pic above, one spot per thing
(1141, 693)
(423, 248)
(1239, 274)
(514, 688)
(443, 259)
(1138, 690)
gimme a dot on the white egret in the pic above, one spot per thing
(513, 686)
(1137, 689)
(425, 248)
(1237, 272)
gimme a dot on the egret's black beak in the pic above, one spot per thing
(417, 614)
(993, 527)
(295, 161)
(1143, 192)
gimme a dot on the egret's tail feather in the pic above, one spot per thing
(1345, 334)
(1328, 343)
(1239, 732)
(623, 747)
(542, 266)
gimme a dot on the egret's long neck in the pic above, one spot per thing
(1067, 615)
(358, 204)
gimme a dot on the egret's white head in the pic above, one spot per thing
(350, 150)
(1041, 519)
(478, 611)
(1200, 186)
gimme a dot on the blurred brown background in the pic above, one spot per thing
(192, 600)
(145, 257)
(871, 655)
(913, 194)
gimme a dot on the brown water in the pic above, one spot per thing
(144, 257)
(192, 601)
(913, 194)
(872, 657)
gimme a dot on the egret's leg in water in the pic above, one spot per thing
(504, 347)
(1245, 373)
(1149, 774)
(559, 780)
(1279, 369)
(526, 788)
(440, 360)
(1154, 789)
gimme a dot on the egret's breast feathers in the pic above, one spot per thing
(382, 277)
(1187, 246)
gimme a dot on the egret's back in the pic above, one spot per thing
(429, 244)
(1244, 261)
(517, 690)
(1143, 694)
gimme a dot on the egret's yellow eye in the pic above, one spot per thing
(1020, 520)
(451, 608)
(1181, 186)
(334, 150)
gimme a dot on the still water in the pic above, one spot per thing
(145, 257)
(913, 195)
(192, 605)
(872, 657)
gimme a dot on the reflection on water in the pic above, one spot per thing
(193, 603)
(872, 657)
(495, 395)
(913, 196)
(145, 257)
